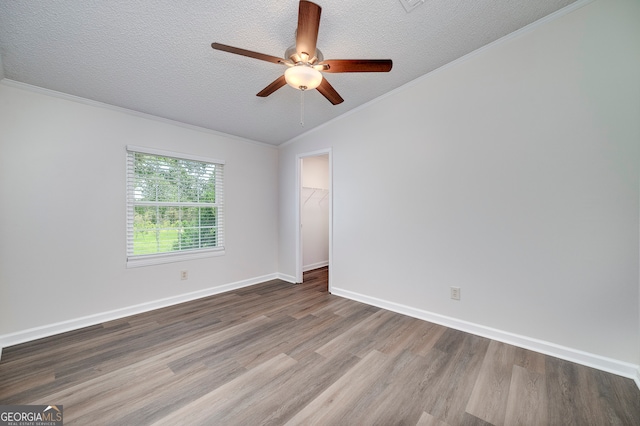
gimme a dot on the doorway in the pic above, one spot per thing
(314, 191)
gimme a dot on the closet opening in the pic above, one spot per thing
(314, 189)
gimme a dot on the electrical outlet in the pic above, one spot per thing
(455, 293)
(184, 275)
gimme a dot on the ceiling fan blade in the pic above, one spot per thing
(357, 65)
(278, 83)
(308, 25)
(329, 92)
(248, 53)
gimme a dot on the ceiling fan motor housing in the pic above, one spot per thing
(293, 55)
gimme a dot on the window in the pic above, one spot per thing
(175, 207)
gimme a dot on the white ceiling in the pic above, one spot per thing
(155, 57)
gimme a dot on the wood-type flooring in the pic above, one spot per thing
(277, 353)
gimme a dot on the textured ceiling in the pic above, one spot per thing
(156, 57)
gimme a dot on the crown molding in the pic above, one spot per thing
(60, 95)
(504, 39)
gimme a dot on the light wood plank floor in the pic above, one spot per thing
(277, 353)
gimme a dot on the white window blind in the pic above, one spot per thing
(175, 206)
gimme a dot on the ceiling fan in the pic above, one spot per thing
(305, 62)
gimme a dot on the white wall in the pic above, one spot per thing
(62, 211)
(512, 174)
(315, 212)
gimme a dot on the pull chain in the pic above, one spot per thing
(302, 107)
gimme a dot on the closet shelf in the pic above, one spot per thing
(324, 191)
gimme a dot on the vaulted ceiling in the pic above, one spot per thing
(155, 57)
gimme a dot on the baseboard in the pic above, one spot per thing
(316, 265)
(288, 278)
(75, 324)
(610, 365)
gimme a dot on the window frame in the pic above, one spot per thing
(177, 255)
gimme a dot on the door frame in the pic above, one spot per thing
(298, 198)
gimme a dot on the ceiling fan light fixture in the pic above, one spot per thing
(303, 77)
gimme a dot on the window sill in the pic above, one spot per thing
(158, 259)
